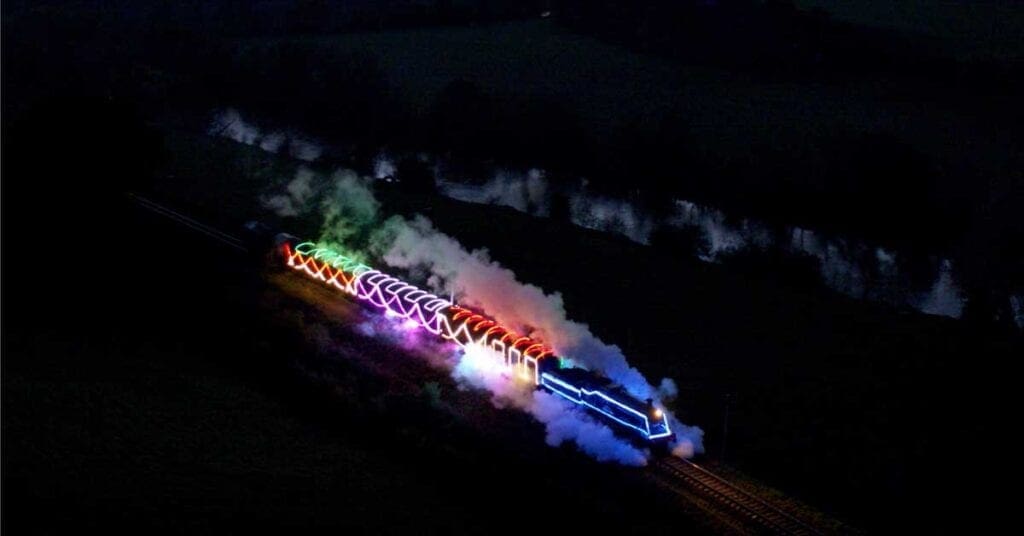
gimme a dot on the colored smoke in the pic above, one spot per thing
(349, 211)
(478, 368)
(347, 206)
(351, 222)
(479, 282)
(476, 281)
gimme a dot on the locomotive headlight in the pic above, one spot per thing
(657, 413)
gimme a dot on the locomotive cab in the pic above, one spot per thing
(601, 395)
(657, 422)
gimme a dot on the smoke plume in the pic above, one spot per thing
(229, 123)
(945, 297)
(349, 211)
(611, 216)
(477, 368)
(298, 193)
(351, 221)
(852, 268)
(849, 267)
(1017, 310)
(479, 282)
(526, 192)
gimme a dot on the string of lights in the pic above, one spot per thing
(528, 358)
(522, 354)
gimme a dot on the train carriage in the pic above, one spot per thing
(524, 356)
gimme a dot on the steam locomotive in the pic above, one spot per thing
(524, 357)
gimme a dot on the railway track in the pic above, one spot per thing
(753, 512)
(182, 219)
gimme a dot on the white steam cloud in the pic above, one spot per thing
(479, 282)
(350, 214)
(849, 267)
(229, 123)
(720, 238)
(298, 194)
(526, 192)
(1017, 309)
(384, 167)
(852, 268)
(611, 216)
(945, 298)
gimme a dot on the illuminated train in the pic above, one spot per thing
(525, 357)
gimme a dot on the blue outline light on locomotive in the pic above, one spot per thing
(580, 400)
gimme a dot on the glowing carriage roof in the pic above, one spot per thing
(407, 300)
